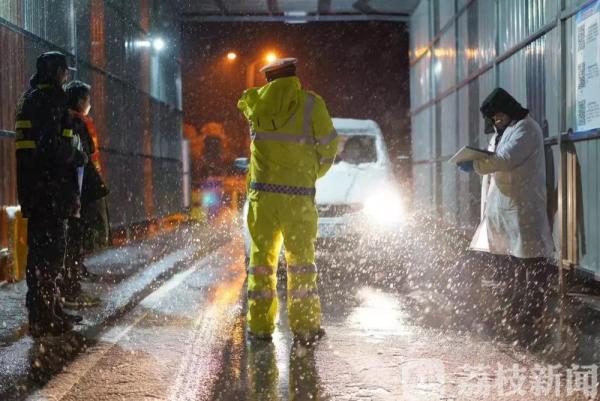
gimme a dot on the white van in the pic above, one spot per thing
(359, 195)
(358, 198)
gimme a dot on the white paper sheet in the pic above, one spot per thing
(468, 153)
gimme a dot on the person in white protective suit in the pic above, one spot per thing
(514, 220)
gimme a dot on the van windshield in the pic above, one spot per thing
(356, 149)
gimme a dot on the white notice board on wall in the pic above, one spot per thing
(588, 68)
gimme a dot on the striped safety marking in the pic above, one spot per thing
(261, 270)
(308, 269)
(262, 294)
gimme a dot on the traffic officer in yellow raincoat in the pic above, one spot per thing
(293, 144)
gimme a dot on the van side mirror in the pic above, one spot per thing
(241, 165)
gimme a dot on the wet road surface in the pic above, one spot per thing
(168, 347)
(187, 341)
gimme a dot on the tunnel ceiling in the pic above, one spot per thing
(294, 10)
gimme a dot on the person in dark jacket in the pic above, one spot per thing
(92, 190)
(47, 189)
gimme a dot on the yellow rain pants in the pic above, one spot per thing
(273, 220)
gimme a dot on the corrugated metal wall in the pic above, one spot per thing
(136, 92)
(463, 49)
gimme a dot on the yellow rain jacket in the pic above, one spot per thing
(294, 141)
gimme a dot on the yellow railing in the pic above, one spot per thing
(13, 244)
(197, 213)
(13, 227)
(13, 239)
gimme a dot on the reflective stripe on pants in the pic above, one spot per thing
(308, 269)
(261, 270)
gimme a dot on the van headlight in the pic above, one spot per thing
(384, 207)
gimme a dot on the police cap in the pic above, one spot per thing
(282, 67)
(279, 64)
(48, 63)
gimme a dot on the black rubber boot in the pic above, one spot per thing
(72, 318)
(40, 327)
(87, 275)
(44, 321)
(259, 337)
(309, 339)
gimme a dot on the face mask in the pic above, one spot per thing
(500, 126)
(488, 128)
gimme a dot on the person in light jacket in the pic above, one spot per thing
(514, 219)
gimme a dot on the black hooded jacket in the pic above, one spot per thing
(46, 157)
(501, 101)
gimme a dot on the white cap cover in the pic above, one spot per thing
(279, 63)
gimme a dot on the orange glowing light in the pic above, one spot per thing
(270, 57)
(231, 56)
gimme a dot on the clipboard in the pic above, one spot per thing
(469, 153)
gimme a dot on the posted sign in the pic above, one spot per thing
(588, 68)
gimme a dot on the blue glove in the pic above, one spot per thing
(466, 167)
